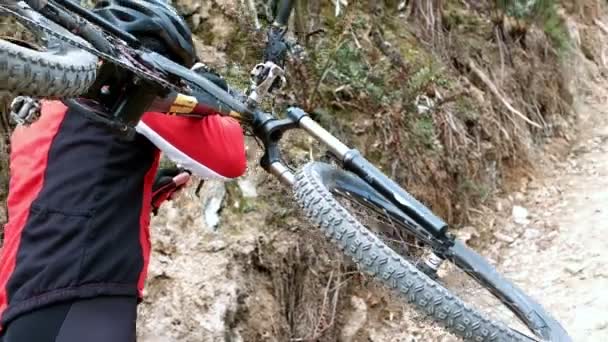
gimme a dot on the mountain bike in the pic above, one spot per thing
(387, 233)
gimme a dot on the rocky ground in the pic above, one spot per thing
(562, 261)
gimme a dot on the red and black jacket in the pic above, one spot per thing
(79, 209)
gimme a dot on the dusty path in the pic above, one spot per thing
(558, 253)
(561, 259)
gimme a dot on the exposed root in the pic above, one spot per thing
(601, 25)
(327, 315)
(492, 88)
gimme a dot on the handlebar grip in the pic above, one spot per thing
(276, 48)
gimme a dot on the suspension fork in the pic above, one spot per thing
(354, 162)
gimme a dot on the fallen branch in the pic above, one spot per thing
(254, 14)
(492, 88)
(601, 25)
(604, 29)
(449, 98)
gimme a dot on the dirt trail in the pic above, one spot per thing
(561, 257)
(558, 251)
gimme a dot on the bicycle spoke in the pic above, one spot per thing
(463, 284)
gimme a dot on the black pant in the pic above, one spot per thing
(100, 319)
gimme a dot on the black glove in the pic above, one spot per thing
(167, 182)
(276, 48)
(208, 73)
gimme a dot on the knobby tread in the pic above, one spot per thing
(42, 73)
(388, 267)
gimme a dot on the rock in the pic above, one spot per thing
(499, 206)
(502, 204)
(355, 319)
(575, 258)
(212, 203)
(153, 338)
(467, 233)
(574, 269)
(532, 233)
(424, 104)
(196, 21)
(248, 188)
(519, 197)
(602, 325)
(211, 55)
(503, 237)
(520, 215)
(216, 245)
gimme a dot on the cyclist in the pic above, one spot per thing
(76, 247)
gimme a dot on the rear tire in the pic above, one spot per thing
(34, 73)
(63, 71)
(389, 268)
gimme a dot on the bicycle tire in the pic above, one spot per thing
(61, 72)
(374, 257)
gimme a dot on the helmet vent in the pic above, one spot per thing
(124, 16)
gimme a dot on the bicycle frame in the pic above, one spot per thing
(203, 97)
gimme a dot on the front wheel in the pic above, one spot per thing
(317, 190)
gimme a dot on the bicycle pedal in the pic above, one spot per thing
(24, 110)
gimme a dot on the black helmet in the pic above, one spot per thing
(152, 18)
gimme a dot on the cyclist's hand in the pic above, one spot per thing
(210, 74)
(167, 183)
(275, 52)
(276, 47)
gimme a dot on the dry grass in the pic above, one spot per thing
(304, 280)
(489, 98)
